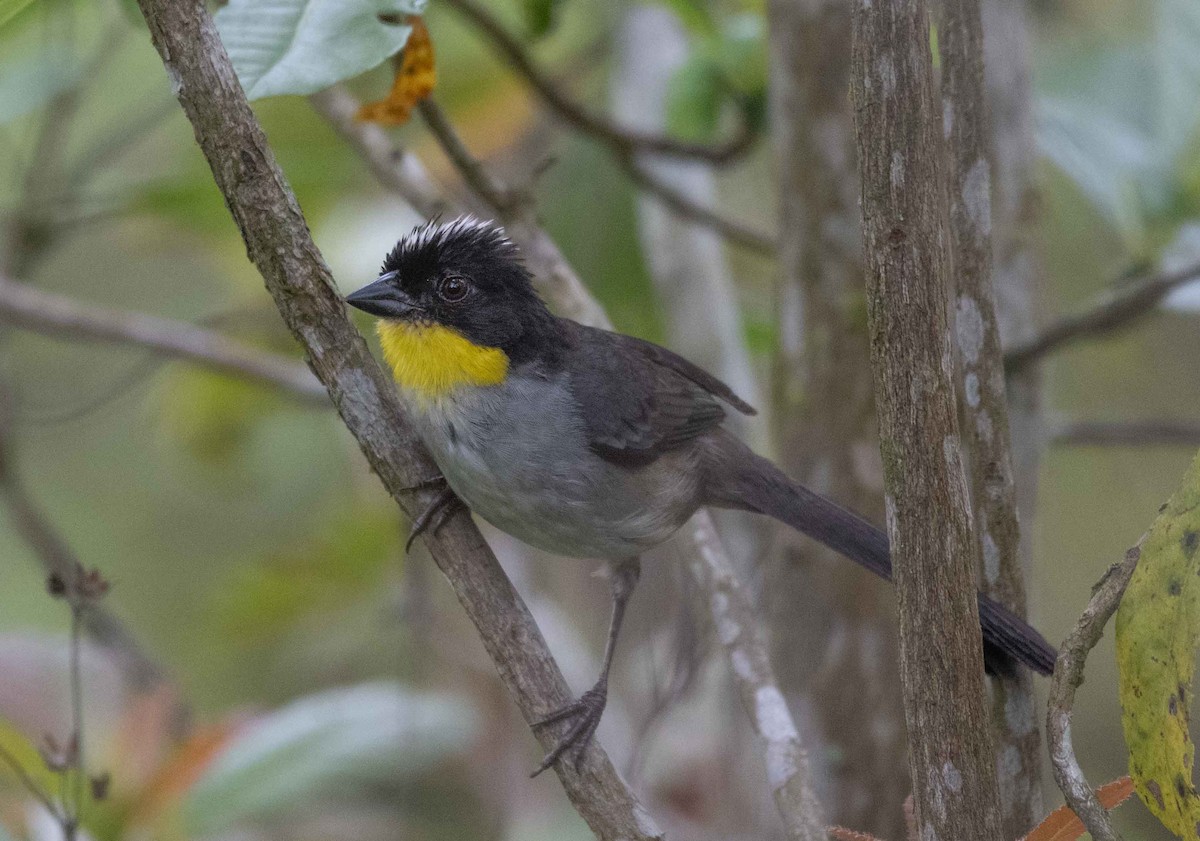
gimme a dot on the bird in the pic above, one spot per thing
(584, 442)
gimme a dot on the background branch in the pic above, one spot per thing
(1146, 433)
(618, 138)
(1068, 677)
(279, 245)
(57, 558)
(65, 318)
(1110, 311)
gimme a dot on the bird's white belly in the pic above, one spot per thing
(524, 466)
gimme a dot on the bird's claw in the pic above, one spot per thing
(438, 481)
(434, 515)
(585, 713)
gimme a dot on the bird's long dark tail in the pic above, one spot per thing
(748, 482)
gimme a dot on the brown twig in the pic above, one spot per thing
(395, 168)
(1068, 676)
(63, 317)
(278, 242)
(554, 276)
(1144, 433)
(681, 205)
(1111, 311)
(619, 139)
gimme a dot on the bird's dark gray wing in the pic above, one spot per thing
(637, 399)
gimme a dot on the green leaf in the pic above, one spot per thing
(335, 742)
(302, 46)
(1107, 159)
(1158, 630)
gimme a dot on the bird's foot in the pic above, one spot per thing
(584, 713)
(438, 481)
(434, 515)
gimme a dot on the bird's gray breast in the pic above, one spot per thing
(518, 455)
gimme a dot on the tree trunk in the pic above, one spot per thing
(906, 239)
(825, 424)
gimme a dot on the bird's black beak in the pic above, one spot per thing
(383, 298)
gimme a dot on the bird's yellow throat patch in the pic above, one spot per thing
(431, 360)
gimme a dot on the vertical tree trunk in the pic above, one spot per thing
(825, 424)
(983, 404)
(1017, 270)
(929, 520)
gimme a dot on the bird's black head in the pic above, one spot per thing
(466, 275)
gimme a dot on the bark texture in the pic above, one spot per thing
(983, 403)
(906, 241)
(825, 422)
(278, 243)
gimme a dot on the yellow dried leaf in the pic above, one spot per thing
(416, 76)
(1158, 629)
(1064, 825)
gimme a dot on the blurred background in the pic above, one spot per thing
(316, 681)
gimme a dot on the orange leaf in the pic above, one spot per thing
(842, 834)
(1064, 825)
(182, 770)
(416, 75)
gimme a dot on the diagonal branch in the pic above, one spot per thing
(687, 208)
(625, 143)
(1068, 676)
(1109, 312)
(278, 243)
(58, 315)
(618, 138)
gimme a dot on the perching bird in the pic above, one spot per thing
(584, 442)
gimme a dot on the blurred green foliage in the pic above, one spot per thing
(249, 546)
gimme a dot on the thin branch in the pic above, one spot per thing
(1144, 433)
(682, 205)
(1068, 676)
(279, 244)
(1111, 311)
(395, 168)
(741, 634)
(63, 317)
(554, 276)
(57, 558)
(619, 139)
(30, 784)
(492, 190)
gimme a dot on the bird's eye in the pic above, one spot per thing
(452, 289)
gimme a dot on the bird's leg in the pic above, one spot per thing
(434, 515)
(586, 711)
